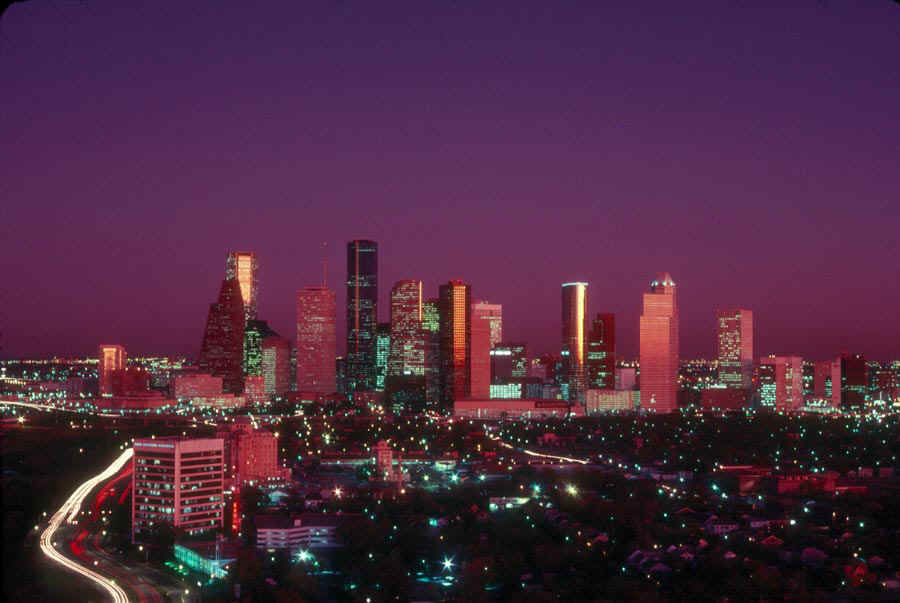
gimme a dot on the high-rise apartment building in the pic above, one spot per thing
(407, 355)
(362, 314)
(781, 382)
(854, 380)
(575, 327)
(178, 481)
(659, 347)
(431, 325)
(735, 348)
(455, 341)
(316, 340)
(826, 382)
(600, 363)
(243, 267)
(222, 350)
(110, 359)
(493, 313)
(276, 365)
(382, 353)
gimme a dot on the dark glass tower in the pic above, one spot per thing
(222, 351)
(362, 315)
(600, 364)
(455, 341)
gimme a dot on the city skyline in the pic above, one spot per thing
(480, 152)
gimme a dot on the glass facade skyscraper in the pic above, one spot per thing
(493, 313)
(431, 325)
(222, 350)
(455, 337)
(316, 340)
(243, 266)
(735, 348)
(407, 356)
(382, 351)
(600, 365)
(659, 347)
(574, 336)
(362, 314)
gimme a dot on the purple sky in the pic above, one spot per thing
(751, 151)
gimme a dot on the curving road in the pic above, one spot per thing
(69, 512)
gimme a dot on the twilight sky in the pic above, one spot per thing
(752, 151)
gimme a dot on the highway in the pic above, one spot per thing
(68, 513)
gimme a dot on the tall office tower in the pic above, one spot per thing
(254, 333)
(177, 481)
(382, 353)
(456, 338)
(243, 266)
(494, 314)
(111, 358)
(431, 326)
(316, 340)
(735, 348)
(659, 347)
(826, 383)
(362, 314)
(509, 362)
(276, 365)
(781, 381)
(222, 351)
(600, 365)
(574, 336)
(480, 355)
(854, 380)
(407, 355)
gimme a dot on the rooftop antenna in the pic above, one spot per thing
(324, 263)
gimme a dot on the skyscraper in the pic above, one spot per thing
(222, 350)
(659, 347)
(254, 333)
(493, 313)
(243, 266)
(362, 314)
(574, 336)
(276, 365)
(854, 380)
(382, 352)
(455, 336)
(509, 362)
(316, 340)
(781, 382)
(407, 355)
(600, 365)
(735, 348)
(111, 358)
(431, 325)
(826, 382)
(480, 355)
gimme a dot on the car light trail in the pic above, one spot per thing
(68, 512)
(564, 459)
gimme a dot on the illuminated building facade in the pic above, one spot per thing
(509, 361)
(455, 341)
(251, 455)
(826, 382)
(600, 364)
(382, 352)
(431, 325)
(177, 481)
(735, 348)
(480, 355)
(362, 314)
(111, 358)
(574, 336)
(276, 365)
(254, 333)
(316, 340)
(193, 385)
(781, 382)
(659, 347)
(243, 267)
(222, 350)
(493, 313)
(407, 352)
(854, 380)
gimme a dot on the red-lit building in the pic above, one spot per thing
(480, 351)
(781, 382)
(404, 382)
(659, 347)
(193, 385)
(735, 348)
(222, 351)
(827, 382)
(243, 267)
(575, 328)
(455, 341)
(251, 455)
(493, 313)
(316, 340)
(111, 358)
